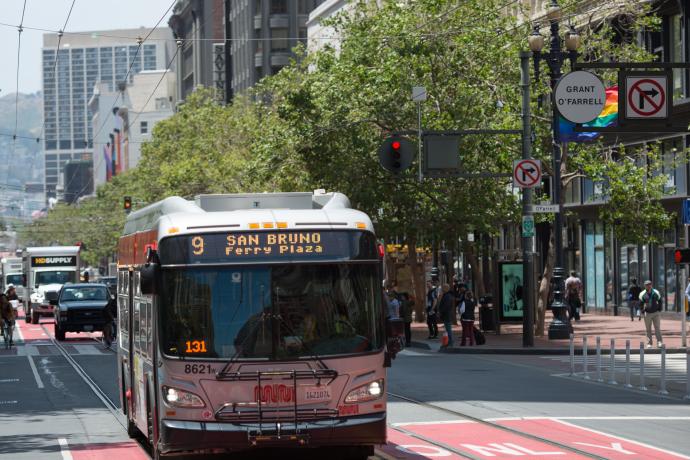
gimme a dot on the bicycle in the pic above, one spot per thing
(7, 333)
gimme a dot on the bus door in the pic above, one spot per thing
(124, 314)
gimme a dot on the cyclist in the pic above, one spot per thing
(12, 292)
(6, 314)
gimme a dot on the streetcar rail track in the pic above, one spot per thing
(485, 423)
(105, 399)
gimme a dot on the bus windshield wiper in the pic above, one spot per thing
(233, 359)
(312, 354)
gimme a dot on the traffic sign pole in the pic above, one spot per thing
(527, 284)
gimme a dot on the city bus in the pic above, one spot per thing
(253, 321)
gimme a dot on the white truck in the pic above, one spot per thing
(12, 274)
(46, 270)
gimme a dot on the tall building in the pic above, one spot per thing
(84, 60)
(78, 179)
(125, 118)
(200, 24)
(262, 32)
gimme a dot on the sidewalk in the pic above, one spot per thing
(592, 325)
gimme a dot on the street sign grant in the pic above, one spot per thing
(580, 96)
(526, 173)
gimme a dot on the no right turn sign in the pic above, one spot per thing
(646, 96)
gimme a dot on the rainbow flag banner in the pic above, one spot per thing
(607, 117)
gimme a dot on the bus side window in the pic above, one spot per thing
(136, 327)
(123, 315)
(149, 328)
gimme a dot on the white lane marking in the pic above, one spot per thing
(39, 382)
(8, 380)
(64, 449)
(595, 417)
(8, 402)
(18, 330)
(423, 450)
(601, 433)
(440, 422)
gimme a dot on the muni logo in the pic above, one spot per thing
(275, 393)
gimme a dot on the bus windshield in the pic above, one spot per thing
(55, 277)
(277, 312)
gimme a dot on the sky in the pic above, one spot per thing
(87, 15)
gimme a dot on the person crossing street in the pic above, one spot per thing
(650, 302)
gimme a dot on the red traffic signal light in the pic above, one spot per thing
(395, 154)
(682, 256)
(128, 203)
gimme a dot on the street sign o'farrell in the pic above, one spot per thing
(580, 96)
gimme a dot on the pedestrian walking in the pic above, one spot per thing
(573, 295)
(467, 307)
(393, 302)
(431, 316)
(406, 305)
(446, 309)
(650, 302)
(634, 299)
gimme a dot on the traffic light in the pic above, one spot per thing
(128, 204)
(395, 154)
(682, 256)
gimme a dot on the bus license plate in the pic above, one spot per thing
(88, 328)
(317, 393)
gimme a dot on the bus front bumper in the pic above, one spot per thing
(193, 436)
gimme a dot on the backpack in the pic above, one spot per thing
(479, 338)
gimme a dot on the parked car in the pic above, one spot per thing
(81, 308)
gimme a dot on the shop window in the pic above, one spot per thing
(675, 51)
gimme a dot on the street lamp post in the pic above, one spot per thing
(560, 327)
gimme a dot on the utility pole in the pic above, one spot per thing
(527, 284)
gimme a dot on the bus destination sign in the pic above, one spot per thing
(261, 246)
(54, 261)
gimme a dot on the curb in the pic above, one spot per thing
(478, 350)
(422, 345)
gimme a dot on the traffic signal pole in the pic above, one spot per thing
(527, 250)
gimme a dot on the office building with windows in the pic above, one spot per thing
(83, 61)
(262, 35)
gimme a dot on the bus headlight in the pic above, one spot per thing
(181, 398)
(368, 392)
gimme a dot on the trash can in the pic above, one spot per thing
(487, 321)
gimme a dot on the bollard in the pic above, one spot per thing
(627, 364)
(599, 377)
(662, 385)
(612, 368)
(642, 386)
(585, 370)
(687, 374)
(572, 355)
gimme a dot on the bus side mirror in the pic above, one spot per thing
(150, 273)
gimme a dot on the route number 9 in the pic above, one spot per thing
(198, 245)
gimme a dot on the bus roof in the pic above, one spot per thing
(238, 212)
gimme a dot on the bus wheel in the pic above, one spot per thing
(35, 317)
(355, 453)
(27, 317)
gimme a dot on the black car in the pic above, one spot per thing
(82, 307)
